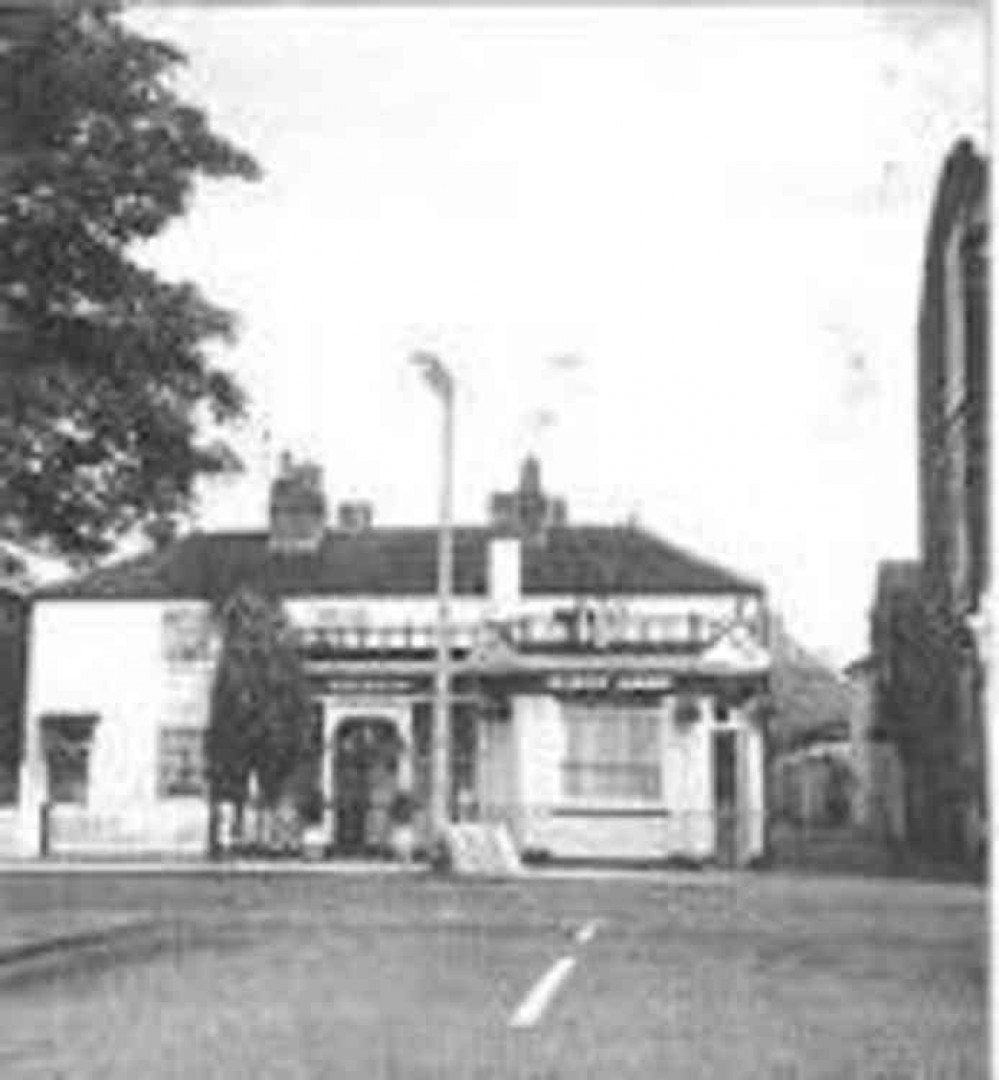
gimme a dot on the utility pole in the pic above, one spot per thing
(441, 382)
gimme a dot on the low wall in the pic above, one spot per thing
(654, 834)
(10, 833)
(177, 831)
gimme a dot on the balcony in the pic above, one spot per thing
(569, 632)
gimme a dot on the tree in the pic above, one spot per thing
(260, 702)
(110, 394)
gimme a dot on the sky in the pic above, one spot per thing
(674, 251)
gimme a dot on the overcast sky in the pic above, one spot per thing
(690, 236)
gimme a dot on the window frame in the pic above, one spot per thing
(581, 794)
(186, 636)
(68, 737)
(164, 790)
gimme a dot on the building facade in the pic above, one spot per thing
(607, 687)
(878, 805)
(929, 623)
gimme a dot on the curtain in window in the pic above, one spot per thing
(613, 754)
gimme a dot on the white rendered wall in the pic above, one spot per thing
(504, 573)
(682, 824)
(108, 658)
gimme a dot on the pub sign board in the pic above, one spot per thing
(617, 684)
(374, 686)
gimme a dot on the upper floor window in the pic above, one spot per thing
(186, 635)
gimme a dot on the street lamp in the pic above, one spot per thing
(439, 380)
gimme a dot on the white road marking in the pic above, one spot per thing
(539, 997)
(587, 931)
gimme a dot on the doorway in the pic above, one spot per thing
(726, 749)
(366, 766)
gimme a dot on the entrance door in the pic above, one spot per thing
(366, 762)
(726, 797)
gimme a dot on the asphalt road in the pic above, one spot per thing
(285, 976)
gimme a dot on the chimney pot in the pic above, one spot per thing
(356, 515)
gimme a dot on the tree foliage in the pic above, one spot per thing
(260, 701)
(107, 384)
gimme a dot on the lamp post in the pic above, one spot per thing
(441, 382)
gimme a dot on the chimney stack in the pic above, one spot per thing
(504, 575)
(529, 511)
(297, 507)
(355, 516)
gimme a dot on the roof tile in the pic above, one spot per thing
(386, 561)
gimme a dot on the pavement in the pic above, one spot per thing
(27, 935)
(30, 936)
(206, 867)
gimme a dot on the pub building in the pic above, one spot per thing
(607, 687)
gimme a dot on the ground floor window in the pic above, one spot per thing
(67, 741)
(8, 783)
(612, 754)
(181, 772)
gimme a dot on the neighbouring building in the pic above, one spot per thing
(811, 761)
(813, 785)
(878, 804)
(930, 617)
(843, 773)
(20, 572)
(609, 688)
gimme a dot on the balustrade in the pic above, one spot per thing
(530, 633)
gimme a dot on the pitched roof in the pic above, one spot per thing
(389, 561)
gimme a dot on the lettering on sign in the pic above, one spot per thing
(600, 682)
(360, 687)
(652, 683)
(343, 617)
(579, 683)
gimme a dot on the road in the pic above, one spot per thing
(280, 975)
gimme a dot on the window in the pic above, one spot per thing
(613, 754)
(67, 740)
(186, 635)
(182, 763)
(69, 773)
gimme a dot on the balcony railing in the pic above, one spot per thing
(563, 632)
